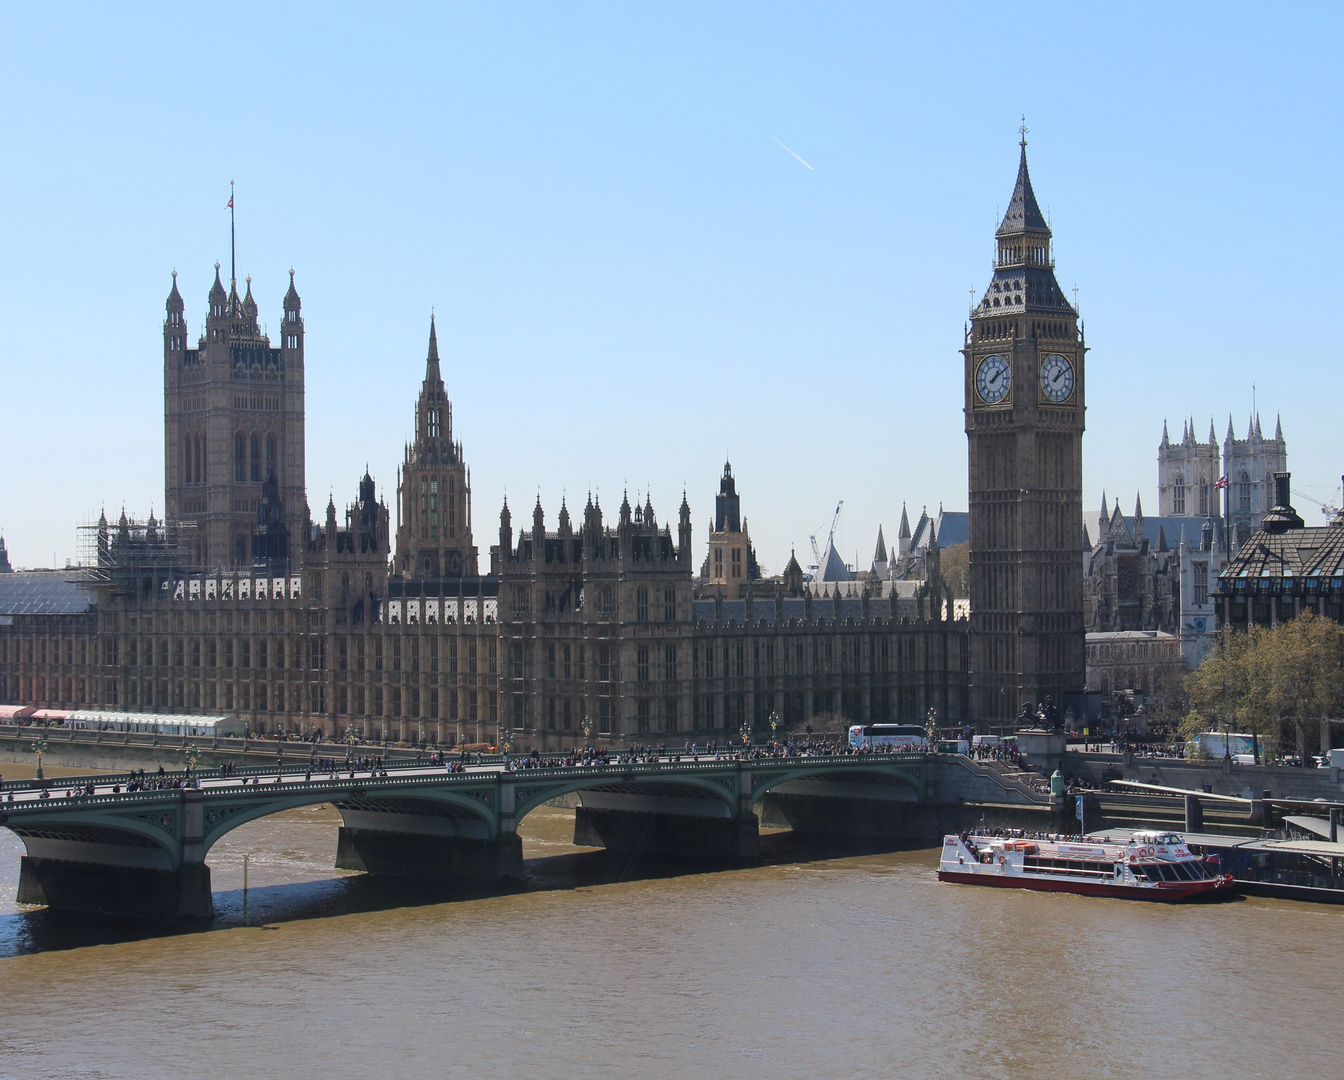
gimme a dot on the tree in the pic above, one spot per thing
(1305, 673)
(956, 569)
(1226, 691)
(1269, 681)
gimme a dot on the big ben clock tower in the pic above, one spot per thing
(1024, 429)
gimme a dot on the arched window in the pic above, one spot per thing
(186, 459)
(1178, 495)
(1244, 490)
(200, 459)
(240, 550)
(239, 457)
(1203, 496)
(256, 457)
(270, 456)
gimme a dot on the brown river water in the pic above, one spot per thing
(815, 964)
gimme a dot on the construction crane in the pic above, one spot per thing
(1326, 508)
(830, 536)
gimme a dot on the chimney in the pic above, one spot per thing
(1282, 517)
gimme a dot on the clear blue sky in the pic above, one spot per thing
(632, 278)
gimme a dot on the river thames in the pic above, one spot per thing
(811, 965)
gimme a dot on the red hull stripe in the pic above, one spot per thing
(1167, 892)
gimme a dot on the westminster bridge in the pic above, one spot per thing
(93, 845)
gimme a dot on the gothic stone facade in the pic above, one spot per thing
(242, 604)
(233, 416)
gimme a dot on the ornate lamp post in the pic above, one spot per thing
(39, 748)
(193, 756)
(745, 731)
(774, 725)
(506, 743)
(588, 728)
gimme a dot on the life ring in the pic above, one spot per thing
(1003, 859)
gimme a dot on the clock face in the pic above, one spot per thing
(993, 379)
(1056, 378)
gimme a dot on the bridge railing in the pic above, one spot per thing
(412, 772)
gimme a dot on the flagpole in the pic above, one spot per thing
(233, 244)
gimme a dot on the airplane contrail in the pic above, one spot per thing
(791, 152)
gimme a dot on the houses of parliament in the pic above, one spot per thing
(587, 625)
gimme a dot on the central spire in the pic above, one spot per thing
(1024, 277)
(1024, 213)
(432, 361)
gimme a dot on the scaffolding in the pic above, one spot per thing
(130, 548)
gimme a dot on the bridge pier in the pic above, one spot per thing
(402, 854)
(128, 891)
(105, 871)
(394, 840)
(668, 834)
(685, 823)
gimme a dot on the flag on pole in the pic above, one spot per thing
(1221, 482)
(229, 205)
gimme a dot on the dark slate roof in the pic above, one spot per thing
(954, 527)
(1023, 211)
(832, 567)
(1297, 553)
(45, 592)
(1171, 527)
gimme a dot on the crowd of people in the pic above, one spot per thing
(1005, 751)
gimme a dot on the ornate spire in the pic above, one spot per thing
(1024, 213)
(217, 293)
(432, 360)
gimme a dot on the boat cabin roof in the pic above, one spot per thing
(1153, 836)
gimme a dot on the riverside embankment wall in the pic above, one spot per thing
(1224, 777)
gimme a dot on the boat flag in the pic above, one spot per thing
(1078, 808)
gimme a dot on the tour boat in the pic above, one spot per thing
(1151, 865)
